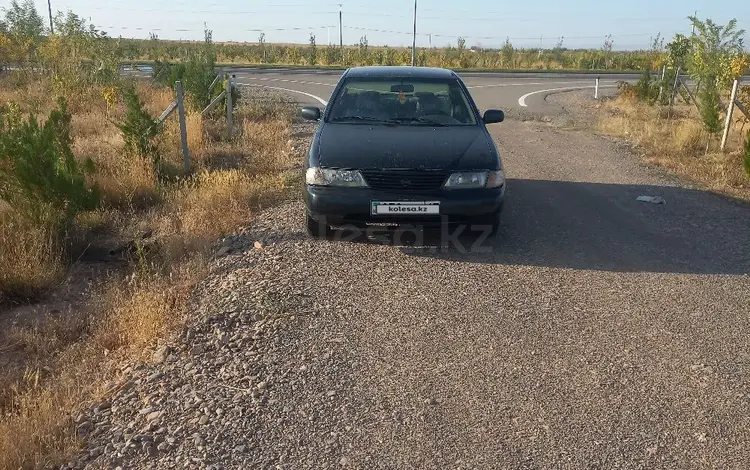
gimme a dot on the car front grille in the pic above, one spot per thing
(399, 180)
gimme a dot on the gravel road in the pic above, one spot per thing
(595, 332)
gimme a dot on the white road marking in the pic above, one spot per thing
(305, 82)
(517, 84)
(318, 98)
(522, 100)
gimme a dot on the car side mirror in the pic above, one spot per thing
(492, 116)
(311, 112)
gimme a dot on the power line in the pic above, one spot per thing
(487, 18)
(188, 30)
(488, 37)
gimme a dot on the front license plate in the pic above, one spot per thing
(405, 208)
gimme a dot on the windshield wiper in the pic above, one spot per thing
(423, 120)
(360, 118)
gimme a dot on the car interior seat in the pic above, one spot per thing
(429, 103)
(368, 104)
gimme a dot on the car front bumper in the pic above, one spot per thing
(338, 206)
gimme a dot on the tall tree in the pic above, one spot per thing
(23, 20)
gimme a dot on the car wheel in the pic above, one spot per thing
(318, 230)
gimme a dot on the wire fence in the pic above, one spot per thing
(179, 105)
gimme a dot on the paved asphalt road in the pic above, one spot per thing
(490, 90)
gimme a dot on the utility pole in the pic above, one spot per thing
(430, 40)
(49, 8)
(341, 31)
(414, 39)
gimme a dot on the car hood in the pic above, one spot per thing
(405, 146)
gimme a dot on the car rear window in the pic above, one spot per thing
(368, 100)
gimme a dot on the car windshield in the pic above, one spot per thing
(406, 101)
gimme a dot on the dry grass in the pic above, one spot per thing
(30, 257)
(36, 94)
(141, 312)
(194, 129)
(128, 183)
(39, 430)
(51, 367)
(678, 142)
(214, 203)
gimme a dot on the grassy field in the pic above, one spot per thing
(56, 356)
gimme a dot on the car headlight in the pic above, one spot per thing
(495, 179)
(331, 177)
(475, 179)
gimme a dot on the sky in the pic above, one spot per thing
(530, 23)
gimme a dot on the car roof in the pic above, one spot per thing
(399, 71)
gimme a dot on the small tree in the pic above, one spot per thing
(312, 52)
(24, 21)
(138, 127)
(506, 53)
(363, 51)
(463, 57)
(607, 49)
(21, 33)
(746, 155)
(262, 44)
(656, 52)
(39, 175)
(197, 72)
(710, 107)
(713, 47)
(678, 50)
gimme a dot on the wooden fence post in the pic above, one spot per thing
(674, 87)
(661, 84)
(183, 126)
(730, 109)
(229, 106)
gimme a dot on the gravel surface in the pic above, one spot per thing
(595, 331)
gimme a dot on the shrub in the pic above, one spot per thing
(138, 128)
(627, 90)
(166, 73)
(38, 171)
(710, 105)
(199, 73)
(196, 76)
(196, 72)
(647, 89)
(78, 55)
